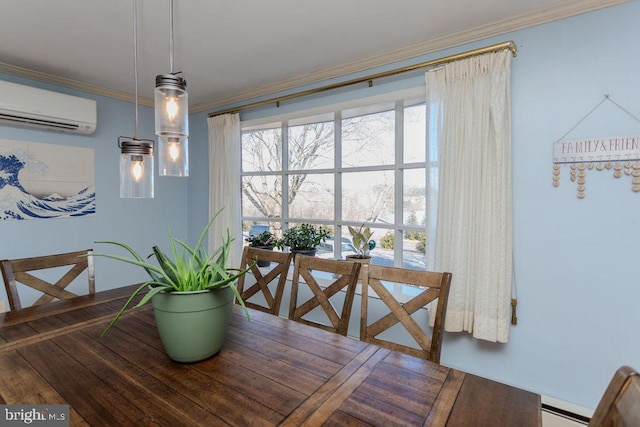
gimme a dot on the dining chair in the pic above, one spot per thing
(342, 275)
(21, 270)
(620, 404)
(429, 286)
(254, 289)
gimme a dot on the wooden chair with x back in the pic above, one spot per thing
(254, 288)
(620, 404)
(343, 275)
(19, 271)
(433, 287)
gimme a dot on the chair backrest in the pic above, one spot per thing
(19, 271)
(620, 404)
(254, 288)
(434, 288)
(343, 276)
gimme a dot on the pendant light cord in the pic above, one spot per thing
(171, 37)
(135, 61)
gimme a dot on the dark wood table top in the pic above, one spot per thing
(270, 371)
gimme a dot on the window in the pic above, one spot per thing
(354, 166)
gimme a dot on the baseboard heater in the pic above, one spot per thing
(564, 413)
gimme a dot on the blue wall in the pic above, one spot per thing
(575, 259)
(576, 273)
(198, 194)
(140, 223)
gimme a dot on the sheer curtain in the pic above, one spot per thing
(468, 105)
(224, 182)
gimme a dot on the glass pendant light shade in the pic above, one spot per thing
(136, 154)
(136, 168)
(171, 106)
(173, 156)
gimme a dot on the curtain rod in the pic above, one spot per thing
(432, 63)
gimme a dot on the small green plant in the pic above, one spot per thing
(266, 238)
(302, 237)
(412, 220)
(421, 245)
(191, 269)
(387, 240)
(362, 241)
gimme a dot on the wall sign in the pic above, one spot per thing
(618, 153)
(40, 181)
(608, 149)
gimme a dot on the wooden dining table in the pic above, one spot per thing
(270, 371)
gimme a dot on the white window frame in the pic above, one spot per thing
(396, 101)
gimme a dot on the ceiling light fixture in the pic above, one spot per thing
(136, 154)
(172, 119)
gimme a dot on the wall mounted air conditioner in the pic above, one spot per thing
(29, 106)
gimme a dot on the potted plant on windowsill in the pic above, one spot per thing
(303, 238)
(264, 240)
(361, 239)
(192, 295)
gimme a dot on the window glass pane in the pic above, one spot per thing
(327, 249)
(311, 146)
(368, 196)
(311, 196)
(261, 150)
(262, 196)
(413, 250)
(384, 252)
(368, 140)
(414, 214)
(414, 133)
(414, 197)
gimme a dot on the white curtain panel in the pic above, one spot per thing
(469, 110)
(224, 183)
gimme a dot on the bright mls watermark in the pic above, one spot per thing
(38, 415)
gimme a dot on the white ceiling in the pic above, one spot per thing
(231, 50)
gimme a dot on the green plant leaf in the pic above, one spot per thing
(166, 265)
(124, 307)
(149, 271)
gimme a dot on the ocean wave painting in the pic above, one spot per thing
(40, 181)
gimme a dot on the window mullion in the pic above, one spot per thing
(398, 207)
(285, 175)
(337, 184)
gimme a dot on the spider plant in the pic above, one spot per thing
(189, 269)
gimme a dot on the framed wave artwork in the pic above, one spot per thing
(40, 181)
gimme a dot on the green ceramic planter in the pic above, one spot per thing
(193, 325)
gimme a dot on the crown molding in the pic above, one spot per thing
(73, 84)
(498, 28)
(450, 41)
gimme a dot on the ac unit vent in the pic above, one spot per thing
(28, 106)
(38, 122)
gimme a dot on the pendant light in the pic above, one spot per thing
(136, 154)
(171, 116)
